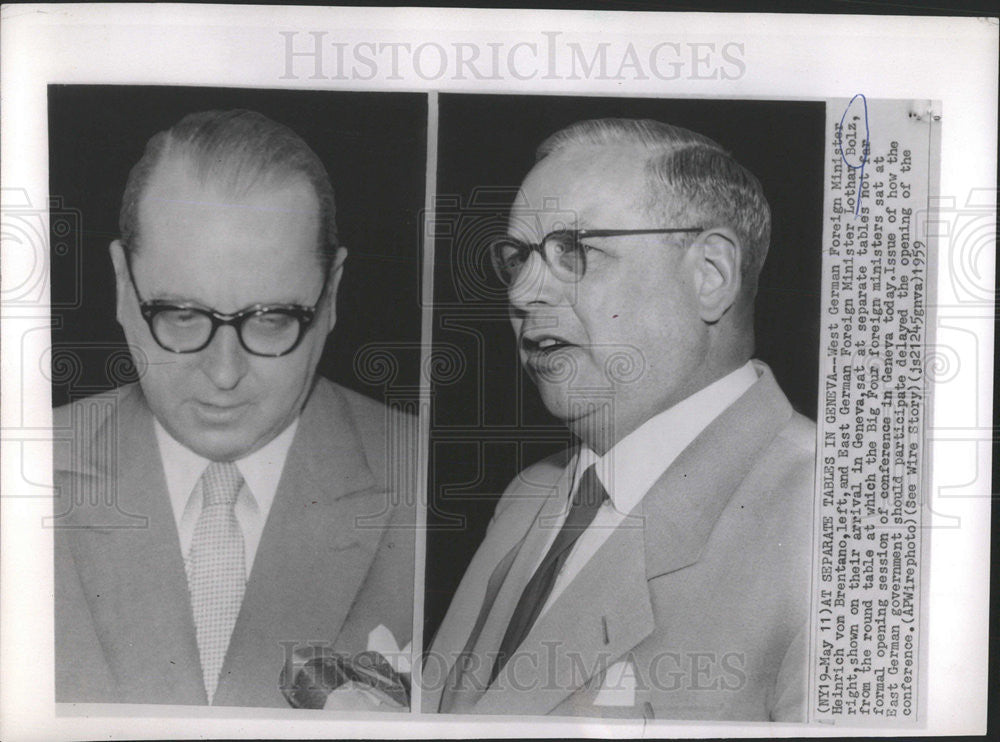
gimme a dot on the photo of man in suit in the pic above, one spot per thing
(231, 507)
(661, 567)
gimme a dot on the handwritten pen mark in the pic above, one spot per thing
(864, 147)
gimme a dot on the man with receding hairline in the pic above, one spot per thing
(660, 568)
(232, 507)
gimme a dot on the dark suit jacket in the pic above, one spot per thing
(703, 593)
(335, 558)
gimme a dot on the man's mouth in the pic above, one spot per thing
(216, 413)
(543, 344)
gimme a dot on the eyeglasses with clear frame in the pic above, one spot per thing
(562, 250)
(269, 330)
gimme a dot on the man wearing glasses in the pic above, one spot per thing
(231, 508)
(661, 568)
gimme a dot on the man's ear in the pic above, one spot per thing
(718, 276)
(336, 273)
(122, 281)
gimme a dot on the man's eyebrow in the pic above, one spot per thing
(174, 298)
(187, 301)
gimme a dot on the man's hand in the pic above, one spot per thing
(319, 678)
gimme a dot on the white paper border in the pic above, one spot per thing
(791, 57)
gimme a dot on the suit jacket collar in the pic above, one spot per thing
(487, 588)
(602, 614)
(127, 552)
(607, 609)
(310, 564)
(681, 509)
(497, 571)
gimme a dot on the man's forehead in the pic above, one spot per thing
(177, 180)
(196, 232)
(178, 195)
(572, 188)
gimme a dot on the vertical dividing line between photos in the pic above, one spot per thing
(426, 333)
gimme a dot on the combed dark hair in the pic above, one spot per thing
(238, 149)
(690, 177)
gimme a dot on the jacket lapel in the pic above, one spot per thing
(601, 614)
(607, 609)
(127, 553)
(478, 617)
(313, 554)
(681, 509)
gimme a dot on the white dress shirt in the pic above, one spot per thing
(637, 461)
(261, 472)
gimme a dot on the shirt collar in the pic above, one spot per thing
(633, 465)
(261, 470)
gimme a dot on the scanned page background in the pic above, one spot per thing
(947, 62)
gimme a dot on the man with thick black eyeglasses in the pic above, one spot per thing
(269, 330)
(229, 518)
(661, 567)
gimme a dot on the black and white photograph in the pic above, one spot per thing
(660, 351)
(443, 372)
(235, 509)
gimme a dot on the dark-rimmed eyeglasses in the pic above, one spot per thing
(562, 250)
(270, 330)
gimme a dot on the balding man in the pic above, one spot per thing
(232, 508)
(661, 567)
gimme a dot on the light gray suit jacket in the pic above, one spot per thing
(335, 558)
(697, 603)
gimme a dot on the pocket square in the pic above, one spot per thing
(361, 682)
(381, 640)
(618, 688)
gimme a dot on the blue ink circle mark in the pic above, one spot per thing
(860, 166)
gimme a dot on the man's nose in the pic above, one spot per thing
(225, 361)
(536, 284)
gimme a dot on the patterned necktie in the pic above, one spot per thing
(216, 571)
(587, 500)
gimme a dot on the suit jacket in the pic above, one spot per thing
(694, 608)
(335, 559)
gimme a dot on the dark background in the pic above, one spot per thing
(488, 421)
(374, 148)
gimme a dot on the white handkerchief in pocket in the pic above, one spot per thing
(618, 688)
(381, 640)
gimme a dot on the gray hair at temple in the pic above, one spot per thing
(690, 178)
(240, 150)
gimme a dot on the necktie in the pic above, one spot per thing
(587, 501)
(216, 571)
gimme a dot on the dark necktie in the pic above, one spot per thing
(587, 501)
